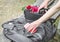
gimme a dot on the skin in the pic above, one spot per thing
(44, 4)
(45, 17)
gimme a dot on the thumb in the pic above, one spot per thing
(26, 26)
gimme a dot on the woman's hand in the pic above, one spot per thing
(43, 5)
(31, 27)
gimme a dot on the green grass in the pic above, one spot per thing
(57, 36)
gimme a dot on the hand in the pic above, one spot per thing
(32, 26)
(43, 5)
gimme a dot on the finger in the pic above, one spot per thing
(26, 25)
(33, 30)
(30, 29)
(41, 6)
(46, 6)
